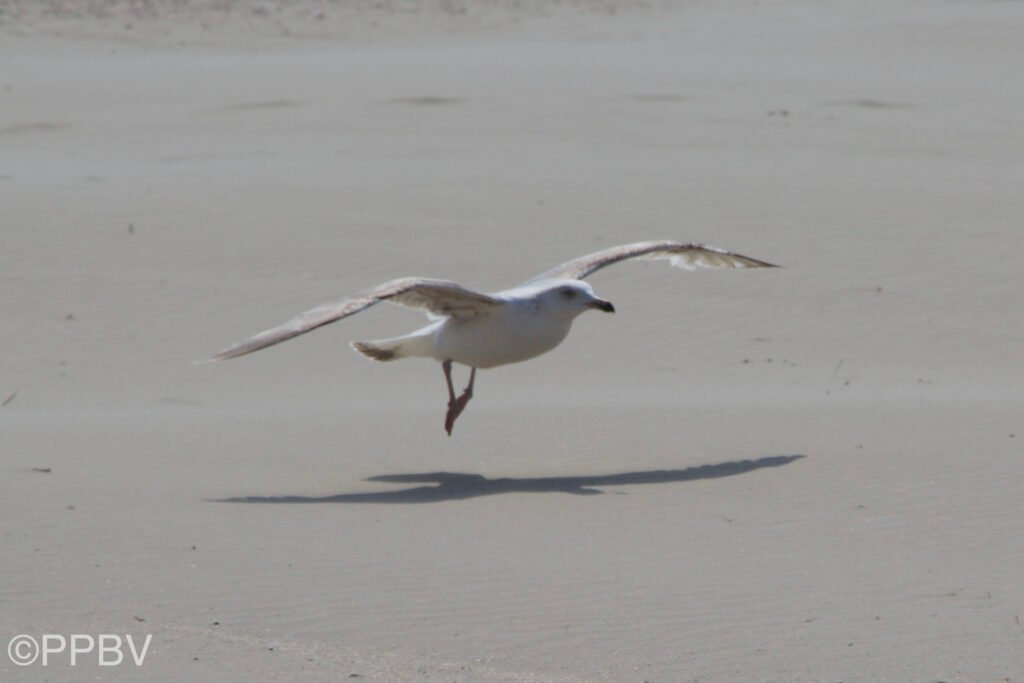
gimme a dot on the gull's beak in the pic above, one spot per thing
(603, 305)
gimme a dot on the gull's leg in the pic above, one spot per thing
(449, 419)
(447, 366)
(456, 405)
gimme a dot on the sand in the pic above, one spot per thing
(810, 474)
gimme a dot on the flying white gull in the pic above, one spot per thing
(486, 330)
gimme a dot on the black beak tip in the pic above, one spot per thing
(606, 306)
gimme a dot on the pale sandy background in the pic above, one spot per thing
(174, 177)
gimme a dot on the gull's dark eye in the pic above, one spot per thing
(568, 293)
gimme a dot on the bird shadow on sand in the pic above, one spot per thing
(456, 486)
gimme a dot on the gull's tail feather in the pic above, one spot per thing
(382, 351)
(419, 343)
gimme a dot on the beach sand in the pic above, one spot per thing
(805, 474)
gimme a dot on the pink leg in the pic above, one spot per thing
(456, 405)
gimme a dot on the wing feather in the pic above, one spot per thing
(438, 297)
(686, 255)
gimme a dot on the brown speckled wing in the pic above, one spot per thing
(439, 297)
(680, 254)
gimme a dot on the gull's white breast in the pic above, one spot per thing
(517, 331)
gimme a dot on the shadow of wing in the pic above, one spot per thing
(460, 486)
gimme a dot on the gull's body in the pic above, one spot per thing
(487, 330)
(521, 329)
(526, 322)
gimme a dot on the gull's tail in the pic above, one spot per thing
(382, 351)
(419, 343)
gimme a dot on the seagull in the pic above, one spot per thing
(487, 330)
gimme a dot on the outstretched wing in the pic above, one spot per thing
(439, 297)
(679, 254)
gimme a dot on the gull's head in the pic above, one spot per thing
(572, 297)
